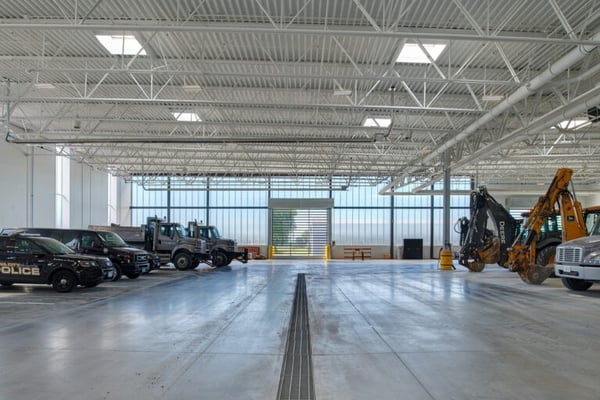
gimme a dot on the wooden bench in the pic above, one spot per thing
(354, 252)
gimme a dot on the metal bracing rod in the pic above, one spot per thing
(480, 31)
(520, 94)
(563, 20)
(330, 31)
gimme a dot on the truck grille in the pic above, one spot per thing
(141, 258)
(565, 254)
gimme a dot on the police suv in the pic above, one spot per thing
(34, 259)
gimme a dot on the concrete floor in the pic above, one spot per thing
(379, 330)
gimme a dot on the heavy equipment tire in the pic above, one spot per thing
(535, 274)
(182, 261)
(220, 259)
(576, 284)
(475, 266)
(546, 255)
(132, 276)
(63, 281)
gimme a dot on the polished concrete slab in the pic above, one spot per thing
(379, 329)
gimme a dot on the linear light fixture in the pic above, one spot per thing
(492, 97)
(342, 92)
(44, 86)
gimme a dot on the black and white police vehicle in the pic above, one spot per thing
(33, 259)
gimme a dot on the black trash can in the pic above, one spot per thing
(413, 249)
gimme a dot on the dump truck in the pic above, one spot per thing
(167, 239)
(222, 250)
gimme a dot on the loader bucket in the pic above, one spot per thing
(535, 274)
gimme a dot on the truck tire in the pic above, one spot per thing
(63, 281)
(546, 255)
(576, 284)
(220, 259)
(182, 261)
(6, 283)
(132, 276)
(118, 273)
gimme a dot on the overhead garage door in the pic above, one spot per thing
(300, 232)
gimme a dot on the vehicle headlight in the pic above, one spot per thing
(593, 258)
(87, 263)
(126, 258)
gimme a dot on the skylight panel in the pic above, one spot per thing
(412, 53)
(573, 124)
(377, 122)
(126, 45)
(186, 116)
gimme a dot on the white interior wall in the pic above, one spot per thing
(28, 176)
(89, 197)
(29, 194)
(123, 203)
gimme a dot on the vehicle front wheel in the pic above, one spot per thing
(182, 261)
(132, 276)
(63, 281)
(576, 284)
(220, 259)
(118, 273)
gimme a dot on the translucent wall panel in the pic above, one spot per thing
(239, 198)
(351, 226)
(412, 223)
(249, 226)
(438, 237)
(361, 196)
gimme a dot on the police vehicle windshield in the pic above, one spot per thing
(52, 245)
(111, 239)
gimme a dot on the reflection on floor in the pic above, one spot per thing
(379, 330)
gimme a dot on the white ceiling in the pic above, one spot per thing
(262, 76)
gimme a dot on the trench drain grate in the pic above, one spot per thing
(296, 381)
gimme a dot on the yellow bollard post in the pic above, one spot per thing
(327, 252)
(446, 260)
(271, 251)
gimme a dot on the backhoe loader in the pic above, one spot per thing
(521, 257)
(482, 245)
(522, 249)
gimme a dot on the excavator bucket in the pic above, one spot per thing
(491, 253)
(475, 266)
(535, 274)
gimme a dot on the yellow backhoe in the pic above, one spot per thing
(521, 258)
(522, 248)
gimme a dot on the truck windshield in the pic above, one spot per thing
(215, 233)
(179, 229)
(111, 239)
(53, 246)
